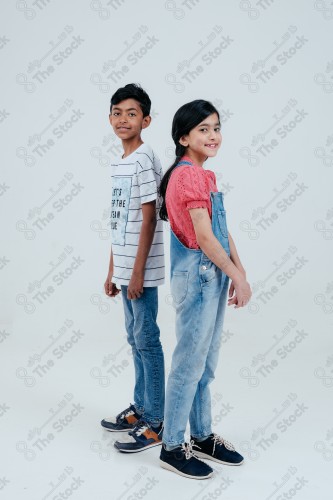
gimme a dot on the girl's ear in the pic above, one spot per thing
(183, 141)
(146, 121)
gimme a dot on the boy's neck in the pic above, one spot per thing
(131, 145)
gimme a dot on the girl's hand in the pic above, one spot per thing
(135, 286)
(232, 296)
(239, 293)
(110, 288)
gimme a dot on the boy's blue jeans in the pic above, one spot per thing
(143, 335)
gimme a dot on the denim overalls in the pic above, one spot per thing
(199, 290)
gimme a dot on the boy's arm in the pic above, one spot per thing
(110, 288)
(135, 286)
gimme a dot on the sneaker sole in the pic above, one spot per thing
(169, 467)
(208, 457)
(117, 430)
(140, 449)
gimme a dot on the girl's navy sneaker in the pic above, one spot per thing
(183, 461)
(217, 449)
(123, 422)
(142, 437)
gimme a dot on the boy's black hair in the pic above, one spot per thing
(132, 91)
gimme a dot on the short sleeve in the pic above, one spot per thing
(146, 179)
(192, 188)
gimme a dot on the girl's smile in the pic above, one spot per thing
(203, 140)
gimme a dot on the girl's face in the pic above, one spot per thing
(203, 140)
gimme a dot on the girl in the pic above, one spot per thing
(203, 258)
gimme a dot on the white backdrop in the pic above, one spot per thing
(267, 65)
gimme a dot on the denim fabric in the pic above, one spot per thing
(199, 290)
(143, 335)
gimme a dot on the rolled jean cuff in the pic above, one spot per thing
(153, 423)
(139, 409)
(203, 437)
(171, 446)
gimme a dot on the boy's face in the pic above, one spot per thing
(127, 119)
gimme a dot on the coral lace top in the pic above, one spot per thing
(189, 187)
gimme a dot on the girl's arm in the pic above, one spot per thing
(210, 245)
(236, 260)
(234, 255)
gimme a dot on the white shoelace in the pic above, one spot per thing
(140, 428)
(188, 449)
(219, 440)
(125, 413)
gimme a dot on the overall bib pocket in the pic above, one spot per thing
(179, 286)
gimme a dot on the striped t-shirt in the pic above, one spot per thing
(135, 180)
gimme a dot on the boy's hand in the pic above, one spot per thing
(135, 286)
(240, 292)
(110, 288)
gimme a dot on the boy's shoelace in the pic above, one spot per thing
(125, 413)
(140, 427)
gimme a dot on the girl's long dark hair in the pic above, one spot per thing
(186, 118)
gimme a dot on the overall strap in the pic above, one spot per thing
(184, 162)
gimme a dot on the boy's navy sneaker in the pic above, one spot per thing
(182, 461)
(142, 437)
(217, 449)
(123, 422)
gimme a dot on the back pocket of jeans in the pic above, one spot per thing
(179, 285)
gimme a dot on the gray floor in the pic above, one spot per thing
(52, 443)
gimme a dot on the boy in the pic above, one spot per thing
(137, 266)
